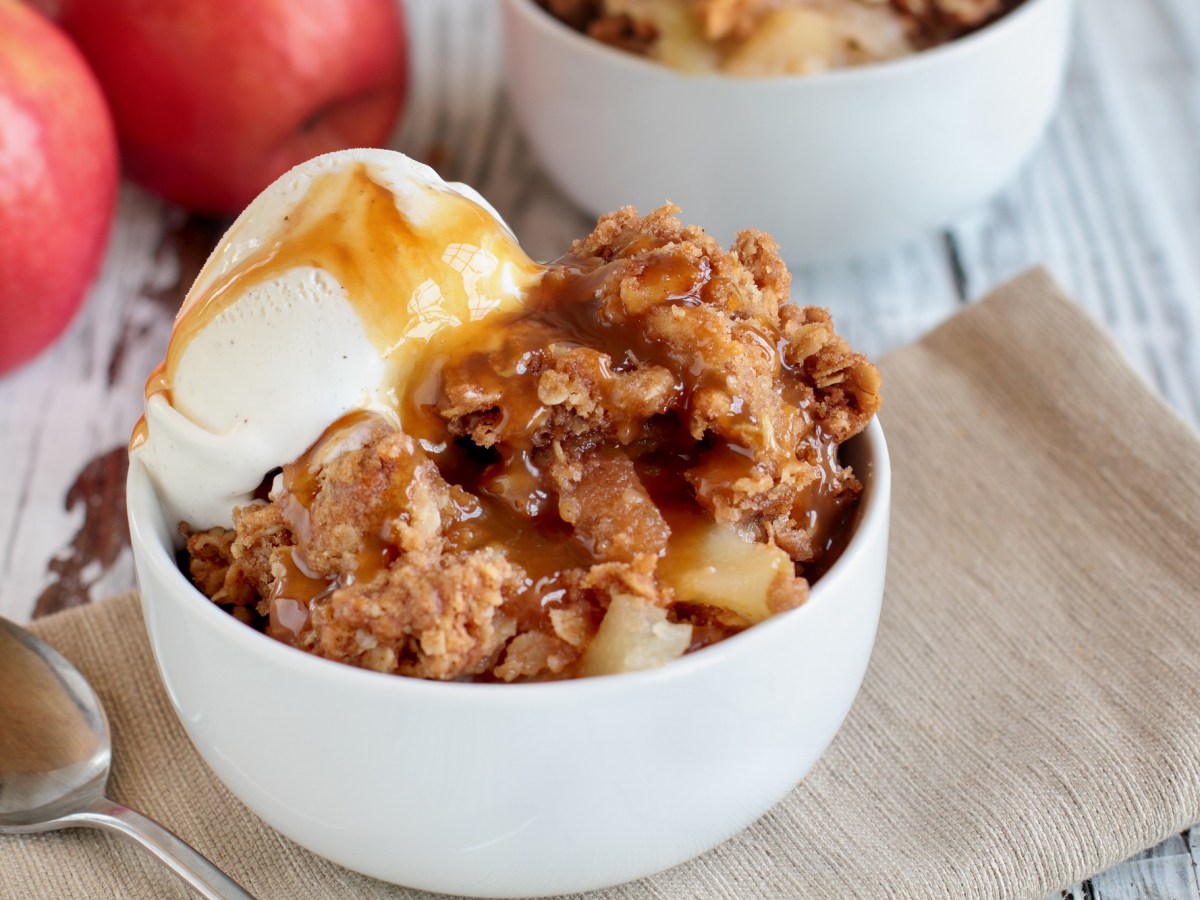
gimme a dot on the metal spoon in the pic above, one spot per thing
(55, 756)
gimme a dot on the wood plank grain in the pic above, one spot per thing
(1109, 200)
(65, 414)
(1182, 18)
(1165, 872)
(887, 300)
(1153, 96)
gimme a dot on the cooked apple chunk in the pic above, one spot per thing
(711, 564)
(634, 635)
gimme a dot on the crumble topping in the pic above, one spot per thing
(775, 37)
(641, 462)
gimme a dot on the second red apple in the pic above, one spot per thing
(213, 101)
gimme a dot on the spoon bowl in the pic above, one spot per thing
(55, 751)
(56, 755)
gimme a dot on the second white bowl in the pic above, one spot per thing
(831, 165)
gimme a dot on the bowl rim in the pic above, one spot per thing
(142, 501)
(994, 31)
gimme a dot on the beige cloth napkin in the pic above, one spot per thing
(1032, 710)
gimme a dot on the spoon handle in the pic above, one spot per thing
(201, 875)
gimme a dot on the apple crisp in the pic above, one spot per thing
(641, 462)
(775, 37)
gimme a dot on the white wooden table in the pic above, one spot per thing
(1111, 203)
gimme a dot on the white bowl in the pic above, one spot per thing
(516, 790)
(831, 165)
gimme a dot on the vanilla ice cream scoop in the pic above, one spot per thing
(316, 302)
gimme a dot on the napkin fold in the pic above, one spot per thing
(1031, 714)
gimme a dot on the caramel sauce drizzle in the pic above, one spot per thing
(485, 515)
(437, 296)
(406, 280)
(508, 500)
(295, 590)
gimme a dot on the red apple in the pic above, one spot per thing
(214, 99)
(58, 180)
